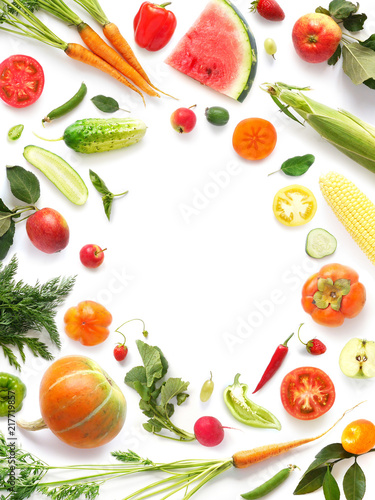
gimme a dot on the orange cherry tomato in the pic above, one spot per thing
(333, 294)
(88, 323)
(358, 437)
(254, 138)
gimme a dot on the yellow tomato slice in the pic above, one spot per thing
(294, 205)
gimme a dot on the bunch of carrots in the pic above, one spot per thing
(18, 17)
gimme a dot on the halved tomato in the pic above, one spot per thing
(307, 393)
(21, 80)
(294, 205)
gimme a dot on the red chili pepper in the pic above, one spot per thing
(154, 26)
(274, 364)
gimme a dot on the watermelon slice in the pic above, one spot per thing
(219, 50)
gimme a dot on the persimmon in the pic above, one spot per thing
(88, 323)
(254, 138)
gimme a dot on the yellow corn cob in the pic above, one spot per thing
(353, 209)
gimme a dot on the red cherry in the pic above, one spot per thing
(120, 352)
(91, 255)
(183, 120)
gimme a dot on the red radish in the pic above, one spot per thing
(183, 120)
(208, 431)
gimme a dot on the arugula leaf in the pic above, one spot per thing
(23, 184)
(331, 489)
(358, 62)
(311, 481)
(355, 22)
(335, 57)
(341, 9)
(354, 483)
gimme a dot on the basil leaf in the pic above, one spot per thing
(355, 22)
(322, 10)
(297, 165)
(6, 240)
(331, 489)
(335, 57)
(341, 9)
(311, 481)
(358, 62)
(354, 483)
(98, 183)
(107, 203)
(23, 184)
(15, 132)
(105, 104)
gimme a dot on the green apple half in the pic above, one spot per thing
(357, 359)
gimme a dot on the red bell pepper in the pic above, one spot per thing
(154, 26)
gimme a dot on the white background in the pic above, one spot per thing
(195, 280)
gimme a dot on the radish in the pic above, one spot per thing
(208, 431)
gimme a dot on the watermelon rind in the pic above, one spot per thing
(238, 85)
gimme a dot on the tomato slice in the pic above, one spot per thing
(254, 138)
(307, 393)
(21, 80)
(294, 205)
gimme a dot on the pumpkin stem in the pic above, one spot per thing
(36, 425)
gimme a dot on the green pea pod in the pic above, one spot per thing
(67, 106)
(12, 393)
(247, 411)
(269, 485)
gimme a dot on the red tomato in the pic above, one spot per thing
(21, 81)
(307, 393)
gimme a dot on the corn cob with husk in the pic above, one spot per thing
(350, 135)
(353, 209)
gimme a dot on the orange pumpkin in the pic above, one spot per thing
(80, 403)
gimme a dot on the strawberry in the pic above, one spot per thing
(316, 347)
(269, 9)
(120, 352)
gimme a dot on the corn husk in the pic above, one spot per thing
(349, 134)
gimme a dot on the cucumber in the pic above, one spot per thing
(320, 243)
(58, 171)
(217, 115)
(96, 135)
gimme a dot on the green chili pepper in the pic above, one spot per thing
(269, 485)
(67, 106)
(247, 411)
(15, 132)
(12, 393)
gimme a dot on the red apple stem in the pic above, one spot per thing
(97, 252)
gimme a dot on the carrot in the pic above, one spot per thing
(243, 459)
(80, 53)
(103, 50)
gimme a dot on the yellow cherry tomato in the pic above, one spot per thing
(294, 205)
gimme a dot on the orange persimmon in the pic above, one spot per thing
(254, 138)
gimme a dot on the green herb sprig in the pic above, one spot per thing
(25, 308)
(319, 474)
(108, 196)
(156, 396)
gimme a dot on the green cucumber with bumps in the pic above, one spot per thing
(96, 135)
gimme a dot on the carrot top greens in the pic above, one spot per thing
(94, 9)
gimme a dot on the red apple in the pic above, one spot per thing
(316, 37)
(48, 230)
(91, 255)
(183, 120)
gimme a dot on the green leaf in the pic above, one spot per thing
(335, 57)
(171, 389)
(297, 165)
(15, 132)
(370, 83)
(5, 221)
(333, 451)
(369, 42)
(322, 10)
(152, 362)
(136, 374)
(6, 241)
(341, 9)
(23, 184)
(354, 483)
(107, 204)
(105, 104)
(181, 398)
(358, 62)
(284, 109)
(311, 481)
(331, 489)
(98, 183)
(355, 22)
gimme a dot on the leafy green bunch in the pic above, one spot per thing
(319, 474)
(156, 395)
(358, 56)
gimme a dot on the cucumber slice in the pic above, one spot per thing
(58, 171)
(320, 243)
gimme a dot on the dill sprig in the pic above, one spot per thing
(25, 308)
